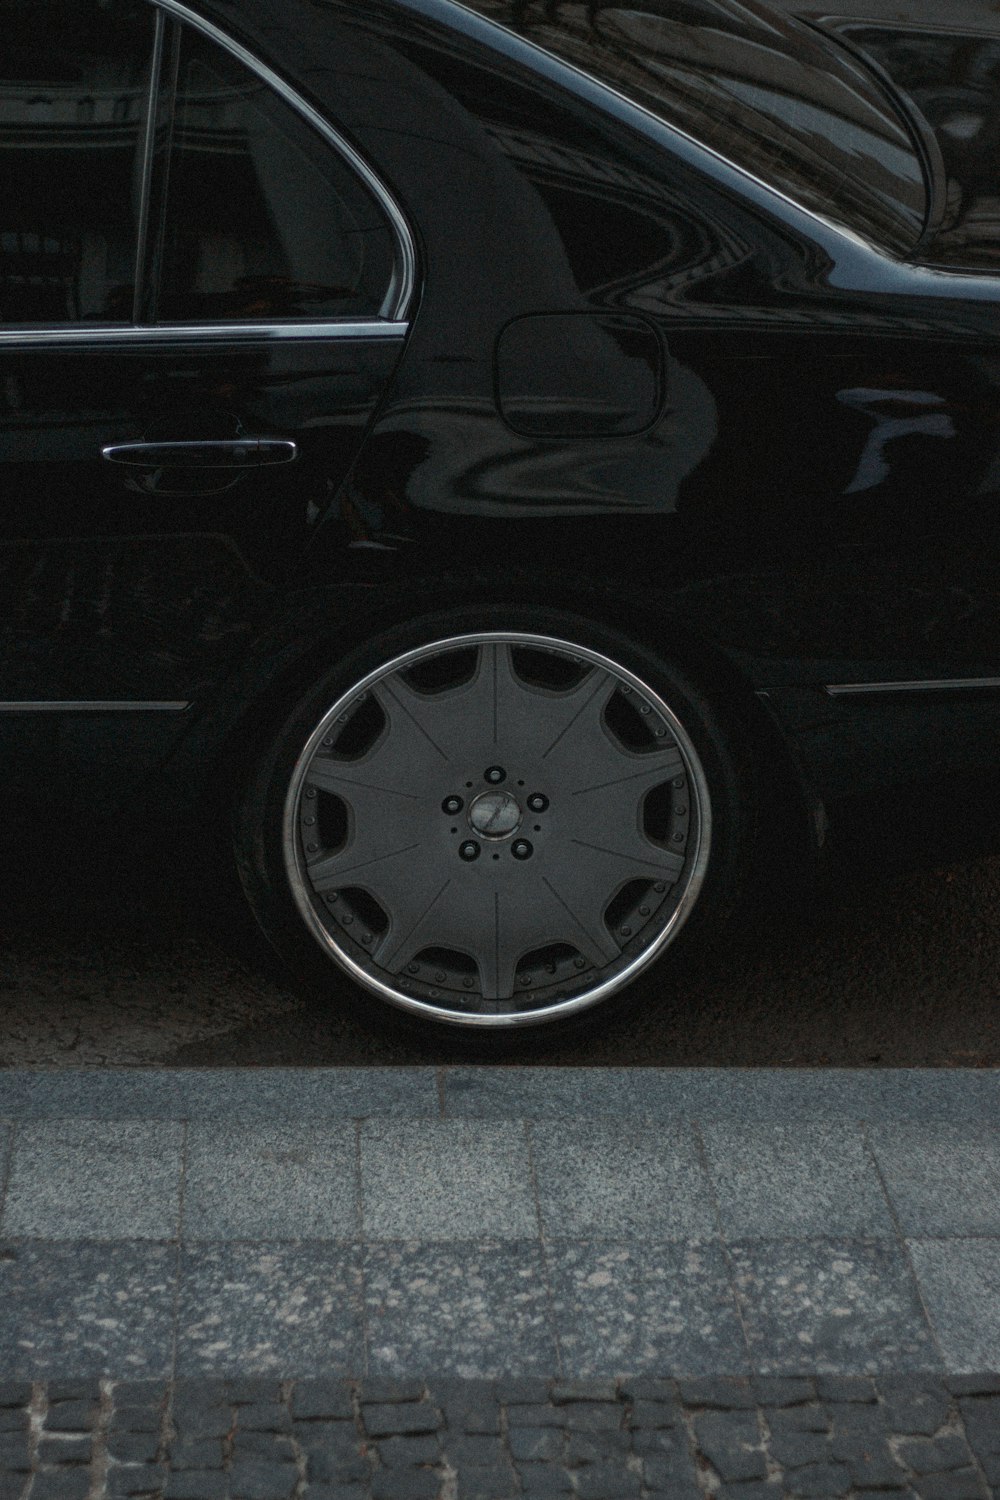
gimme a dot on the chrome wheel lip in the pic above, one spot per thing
(559, 1010)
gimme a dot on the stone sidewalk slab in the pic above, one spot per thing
(764, 1234)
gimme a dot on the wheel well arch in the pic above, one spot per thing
(282, 665)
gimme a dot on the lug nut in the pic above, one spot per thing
(468, 851)
(521, 849)
(538, 802)
(452, 805)
(494, 775)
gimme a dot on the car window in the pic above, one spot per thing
(765, 93)
(263, 218)
(74, 90)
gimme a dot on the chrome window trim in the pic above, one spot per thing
(400, 291)
(181, 333)
(92, 706)
(148, 152)
(923, 685)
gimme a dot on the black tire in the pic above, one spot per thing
(492, 818)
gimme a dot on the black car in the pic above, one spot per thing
(502, 450)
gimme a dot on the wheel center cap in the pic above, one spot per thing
(495, 815)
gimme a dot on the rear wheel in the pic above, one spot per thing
(492, 827)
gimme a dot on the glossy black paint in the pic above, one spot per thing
(798, 484)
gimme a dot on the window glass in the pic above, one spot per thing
(74, 87)
(766, 93)
(264, 219)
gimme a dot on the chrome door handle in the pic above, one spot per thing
(236, 453)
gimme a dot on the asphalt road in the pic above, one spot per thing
(115, 953)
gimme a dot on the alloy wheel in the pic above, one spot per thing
(497, 829)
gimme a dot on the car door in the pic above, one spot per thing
(202, 298)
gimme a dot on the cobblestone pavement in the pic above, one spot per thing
(707, 1439)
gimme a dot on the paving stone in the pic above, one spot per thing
(731, 1442)
(327, 1467)
(487, 1484)
(873, 1467)
(820, 1480)
(373, 1391)
(197, 1484)
(522, 1388)
(337, 1492)
(644, 1307)
(133, 1447)
(795, 1419)
(271, 1182)
(474, 1450)
(315, 1400)
(673, 1475)
(61, 1484)
(973, 1385)
(535, 1415)
(846, 1389)
(659, 1441)
(386, 1420)
(135, 1419)
(538, 1443)
(752, 1490)
(713, 1391)
(596, 1447)
(473, 1309)
(838, 1306)
(406, 1484)
(566, 1392)
(73, 1390)
(140, 1393)
(15, 1392)
(943, 1179)
(247, 1390)
(646, 1414)
(14, 1419)
(797, 1449)
(933, 1456)
(596, 1417)
(70, 1416)
(88, 1179)
(446, 1180)
(981, 1417)
(611, 1481)
(195, 1453)
(600, 1182)
(339, 1439)
(423, 1448)
(647, 1388)
(14, 1451)
(796, 1179)
(958, 1484)
(913, 1405)
(263, 1445)
(262, 1480)
(469, 1405)
(544, 1481)
(139, 1479)
(72, 1307)
(263, 1416)
(269, 1307)
(960, 1282)
(779, 1391)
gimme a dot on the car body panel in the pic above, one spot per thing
(814, 499)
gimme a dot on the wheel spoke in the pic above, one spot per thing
(477, 713)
